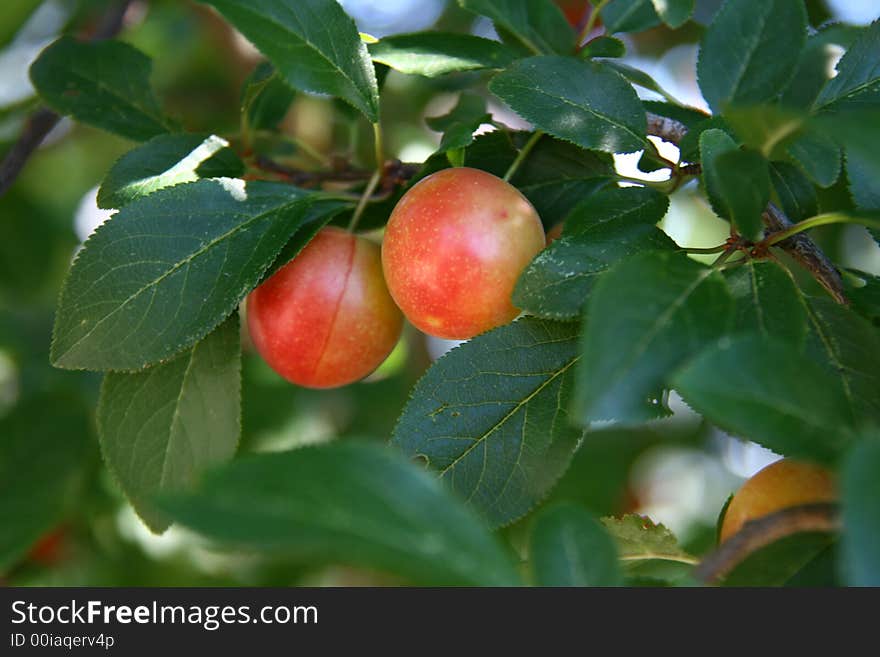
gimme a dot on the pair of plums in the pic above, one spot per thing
(453, 248)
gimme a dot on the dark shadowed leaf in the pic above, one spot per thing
(105, 84)
(570, 547)
(265, 98)
(861, 514)
(161, 428)
(45, 445)
(491, 416)
(350, 503)
(793, 191)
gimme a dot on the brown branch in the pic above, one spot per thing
(395, 173)
(800, 247)
(760, 533)
(42, 120)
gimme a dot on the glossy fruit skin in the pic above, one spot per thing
(325, 319)
(453, 249)
(780, 485)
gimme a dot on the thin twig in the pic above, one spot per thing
(761, 532)
(42, 120)
(800, 247)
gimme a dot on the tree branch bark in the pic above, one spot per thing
(800, 247)
(42, 120)
(761, 532)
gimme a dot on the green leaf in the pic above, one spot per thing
(765, 390)
(857, 83)
(713, 144)
(265, 98)
(604, 46)
(639, 539)
(491, 417)
(585, 103)
(608, 226)
(768, 302)
(161, 428)
(750, 51)
(765, 127)
(557, 175)
(864, 294)
(814, 67)
(351, 503)
(674, 13)
(644, 319)
(849, 346)
(629, 16)
(313, 44)
(861, 173)
(128, 300)
(437, 53)
(861, 514)
(537, 25)
(780, 562)
(817, 154)
(45, 445)
(569, 547)
(637, 77)
(459, 125)
(690, 143)
(793, 191)
(103, 83)
(742, 180)
(165, 161)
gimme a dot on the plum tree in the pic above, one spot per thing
(780, 485)
(454, 247)
(325, 319)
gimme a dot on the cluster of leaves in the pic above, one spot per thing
(617, 315)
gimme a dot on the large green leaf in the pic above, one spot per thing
(713, 144)
(352, 503)
(608, 226)
(437, 53)
(583, 102)
(313, 44)
(45, 444)
(783, 562)
(161, 428)
(768, 302)
(765, 390)
(751, 50)
(644, 318)
(742, 182)
(104, 83)
(165, 161)
(491, 416)
(857, 83)
(169, 267)
(861, 514)
(816, 153)
(539, 26)
(849, 346)
(569, 547)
